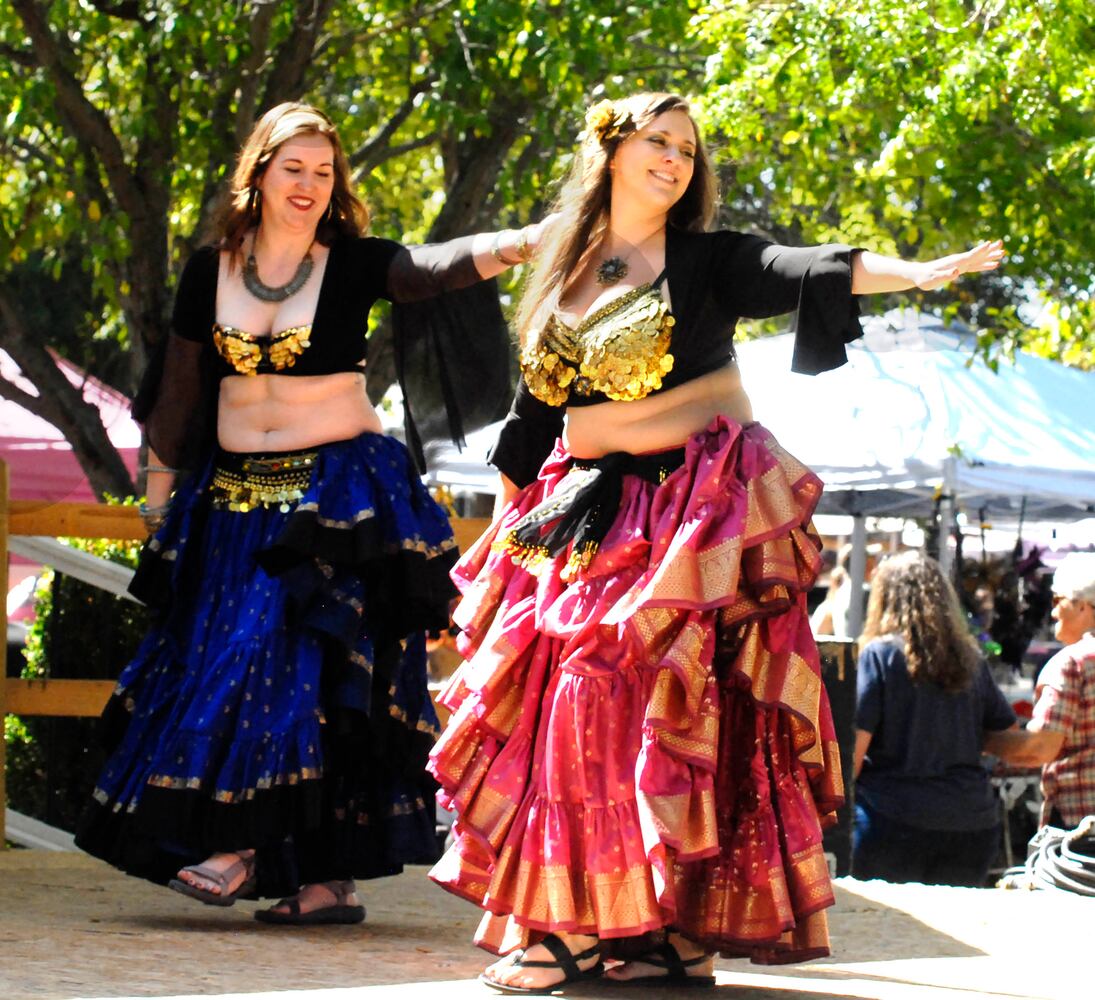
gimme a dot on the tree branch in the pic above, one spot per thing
(29, 150)
(61, 403)
(30, 403)
(91, 127)
(411, 18)
(368, 154)
(21, 57)
(391, 152)
(285, 81)
(249, 71)
(128, 10)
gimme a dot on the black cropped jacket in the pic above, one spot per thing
(715, 279)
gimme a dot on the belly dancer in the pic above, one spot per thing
(271, 733)
(641, 746)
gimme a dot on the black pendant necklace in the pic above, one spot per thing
(611, 270)
(615, 268)
(276, 293)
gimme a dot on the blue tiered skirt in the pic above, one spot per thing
(280, 701)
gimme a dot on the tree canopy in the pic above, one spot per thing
(909, 127)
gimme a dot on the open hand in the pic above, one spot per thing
(983, 257)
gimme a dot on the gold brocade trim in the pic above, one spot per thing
(459, 760)
(504, 715)
(621, 350)
(771, 504)
(689, 817)
(557, 895)
(246, 353)
(728, 908)
(491, 814)
(330, 522)
(652, 626)
(229, 797)
(407, 808)
(791, 683)
(262, 482)
(710, 576)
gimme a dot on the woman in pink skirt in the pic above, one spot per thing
(640, 745)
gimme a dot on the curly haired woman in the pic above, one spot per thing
(925, 700)
(640, 741)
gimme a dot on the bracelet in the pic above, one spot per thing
(521, 246)
(496, 250)
(153, 517)
(158, 468)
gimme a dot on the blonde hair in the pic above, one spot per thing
(241, 209)
(585, 197)
(911, 597)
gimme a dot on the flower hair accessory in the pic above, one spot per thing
(606, 122)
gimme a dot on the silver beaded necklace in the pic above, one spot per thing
(275, 293)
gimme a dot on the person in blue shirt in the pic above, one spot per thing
(925, 702)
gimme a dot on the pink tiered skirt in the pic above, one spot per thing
(649, 744)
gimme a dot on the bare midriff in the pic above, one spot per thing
(277, 413)
(657, 422)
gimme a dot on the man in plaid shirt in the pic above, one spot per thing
(1065, 694)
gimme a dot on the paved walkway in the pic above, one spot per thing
(73, 928)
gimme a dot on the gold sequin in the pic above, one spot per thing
(245, 352)
(620, 350)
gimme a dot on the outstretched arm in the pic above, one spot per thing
(497, 252)
(421, 272)
(873, 273)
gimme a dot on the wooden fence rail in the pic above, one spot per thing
(82, 698)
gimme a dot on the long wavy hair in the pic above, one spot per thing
(585, 198)
(911, 597)
(241, 208)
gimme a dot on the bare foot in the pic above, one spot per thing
(508, 971)
(687, 951)
(219, 863)
(321, 895)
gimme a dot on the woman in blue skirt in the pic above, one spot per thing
(270, 735)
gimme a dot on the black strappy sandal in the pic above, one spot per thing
(676, 969)
(338, 912)
(564, 961)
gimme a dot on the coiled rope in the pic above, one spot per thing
(1057, 859)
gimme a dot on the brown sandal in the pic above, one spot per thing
(222, 879)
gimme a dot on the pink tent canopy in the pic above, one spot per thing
(40, 461)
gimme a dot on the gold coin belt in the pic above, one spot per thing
(262, 482)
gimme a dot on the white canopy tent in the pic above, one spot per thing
(912, 416)
(915, 415)
(914, 412)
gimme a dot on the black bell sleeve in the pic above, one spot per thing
(756, 279)
(450, 339)
(176, 400)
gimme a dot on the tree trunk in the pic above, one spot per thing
(61, 404)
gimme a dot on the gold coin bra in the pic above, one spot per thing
(620, 350)
(246, 353)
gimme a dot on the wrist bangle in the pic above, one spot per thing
(158, 468)
(521, 247)
(496, 250)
